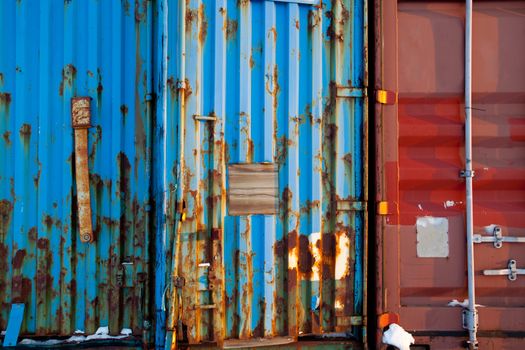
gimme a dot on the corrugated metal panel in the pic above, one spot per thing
(52, 51)
(277, 82)
(420, 143)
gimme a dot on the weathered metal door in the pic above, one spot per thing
(50, 52)
(420, 143)
(270, 106)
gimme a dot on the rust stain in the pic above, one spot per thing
(140, 131)
(345, 14)
(172, 87)
(69, 73)
(48, 222)
(314, 19)
(32, 234)
(18, 259)
(22, 288)
(276, 85)
(25, 131)
(124, 110)
(124, 180)
(6, 209)
(97, 137)
(273, 32)
(126, 7)
(43, 243)
(191, 16)
(5, 99)
(230, 28)
(187, 88)
(7, 138)
(36, 178)
(306, 259)
(203, 31)
(140, 16)
(2, 79)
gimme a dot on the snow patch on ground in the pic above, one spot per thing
(463, 304)
(76, 339)
(40, 342)
(126, 331)
(102, 333)
(395, 335)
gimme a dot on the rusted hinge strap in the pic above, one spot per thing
(81, 121)
(386, 97)
(351, 92)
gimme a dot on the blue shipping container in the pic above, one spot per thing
(264, 132)
(52, 51)
(226, 160)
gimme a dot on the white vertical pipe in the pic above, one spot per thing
(471, 313)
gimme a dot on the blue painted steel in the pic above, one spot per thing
(269, 72)
(52, 51)
(13, 324)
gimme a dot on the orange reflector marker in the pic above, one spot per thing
(382, 208)
(386, 97)
(387, 318)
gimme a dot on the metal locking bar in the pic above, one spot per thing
(511, 271)
(351, 92)
(81, 121)
(204, 117)
(497, 238)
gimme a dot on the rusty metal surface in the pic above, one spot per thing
(269, 73)
(81, 120)
(81, 112)
(85, 226)
(420, 154)
(52, 51)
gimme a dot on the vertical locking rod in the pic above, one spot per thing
(471, 312)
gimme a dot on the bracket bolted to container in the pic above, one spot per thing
(81, 121)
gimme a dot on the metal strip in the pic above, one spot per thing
(81, 121)
(13, 325)
(351, 92)
(471, 314)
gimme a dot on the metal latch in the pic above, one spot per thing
(386, 97)
(81, 121)
(497, 238)
(124, 274)
(511, 271)
(470, 319)
(466, 173)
